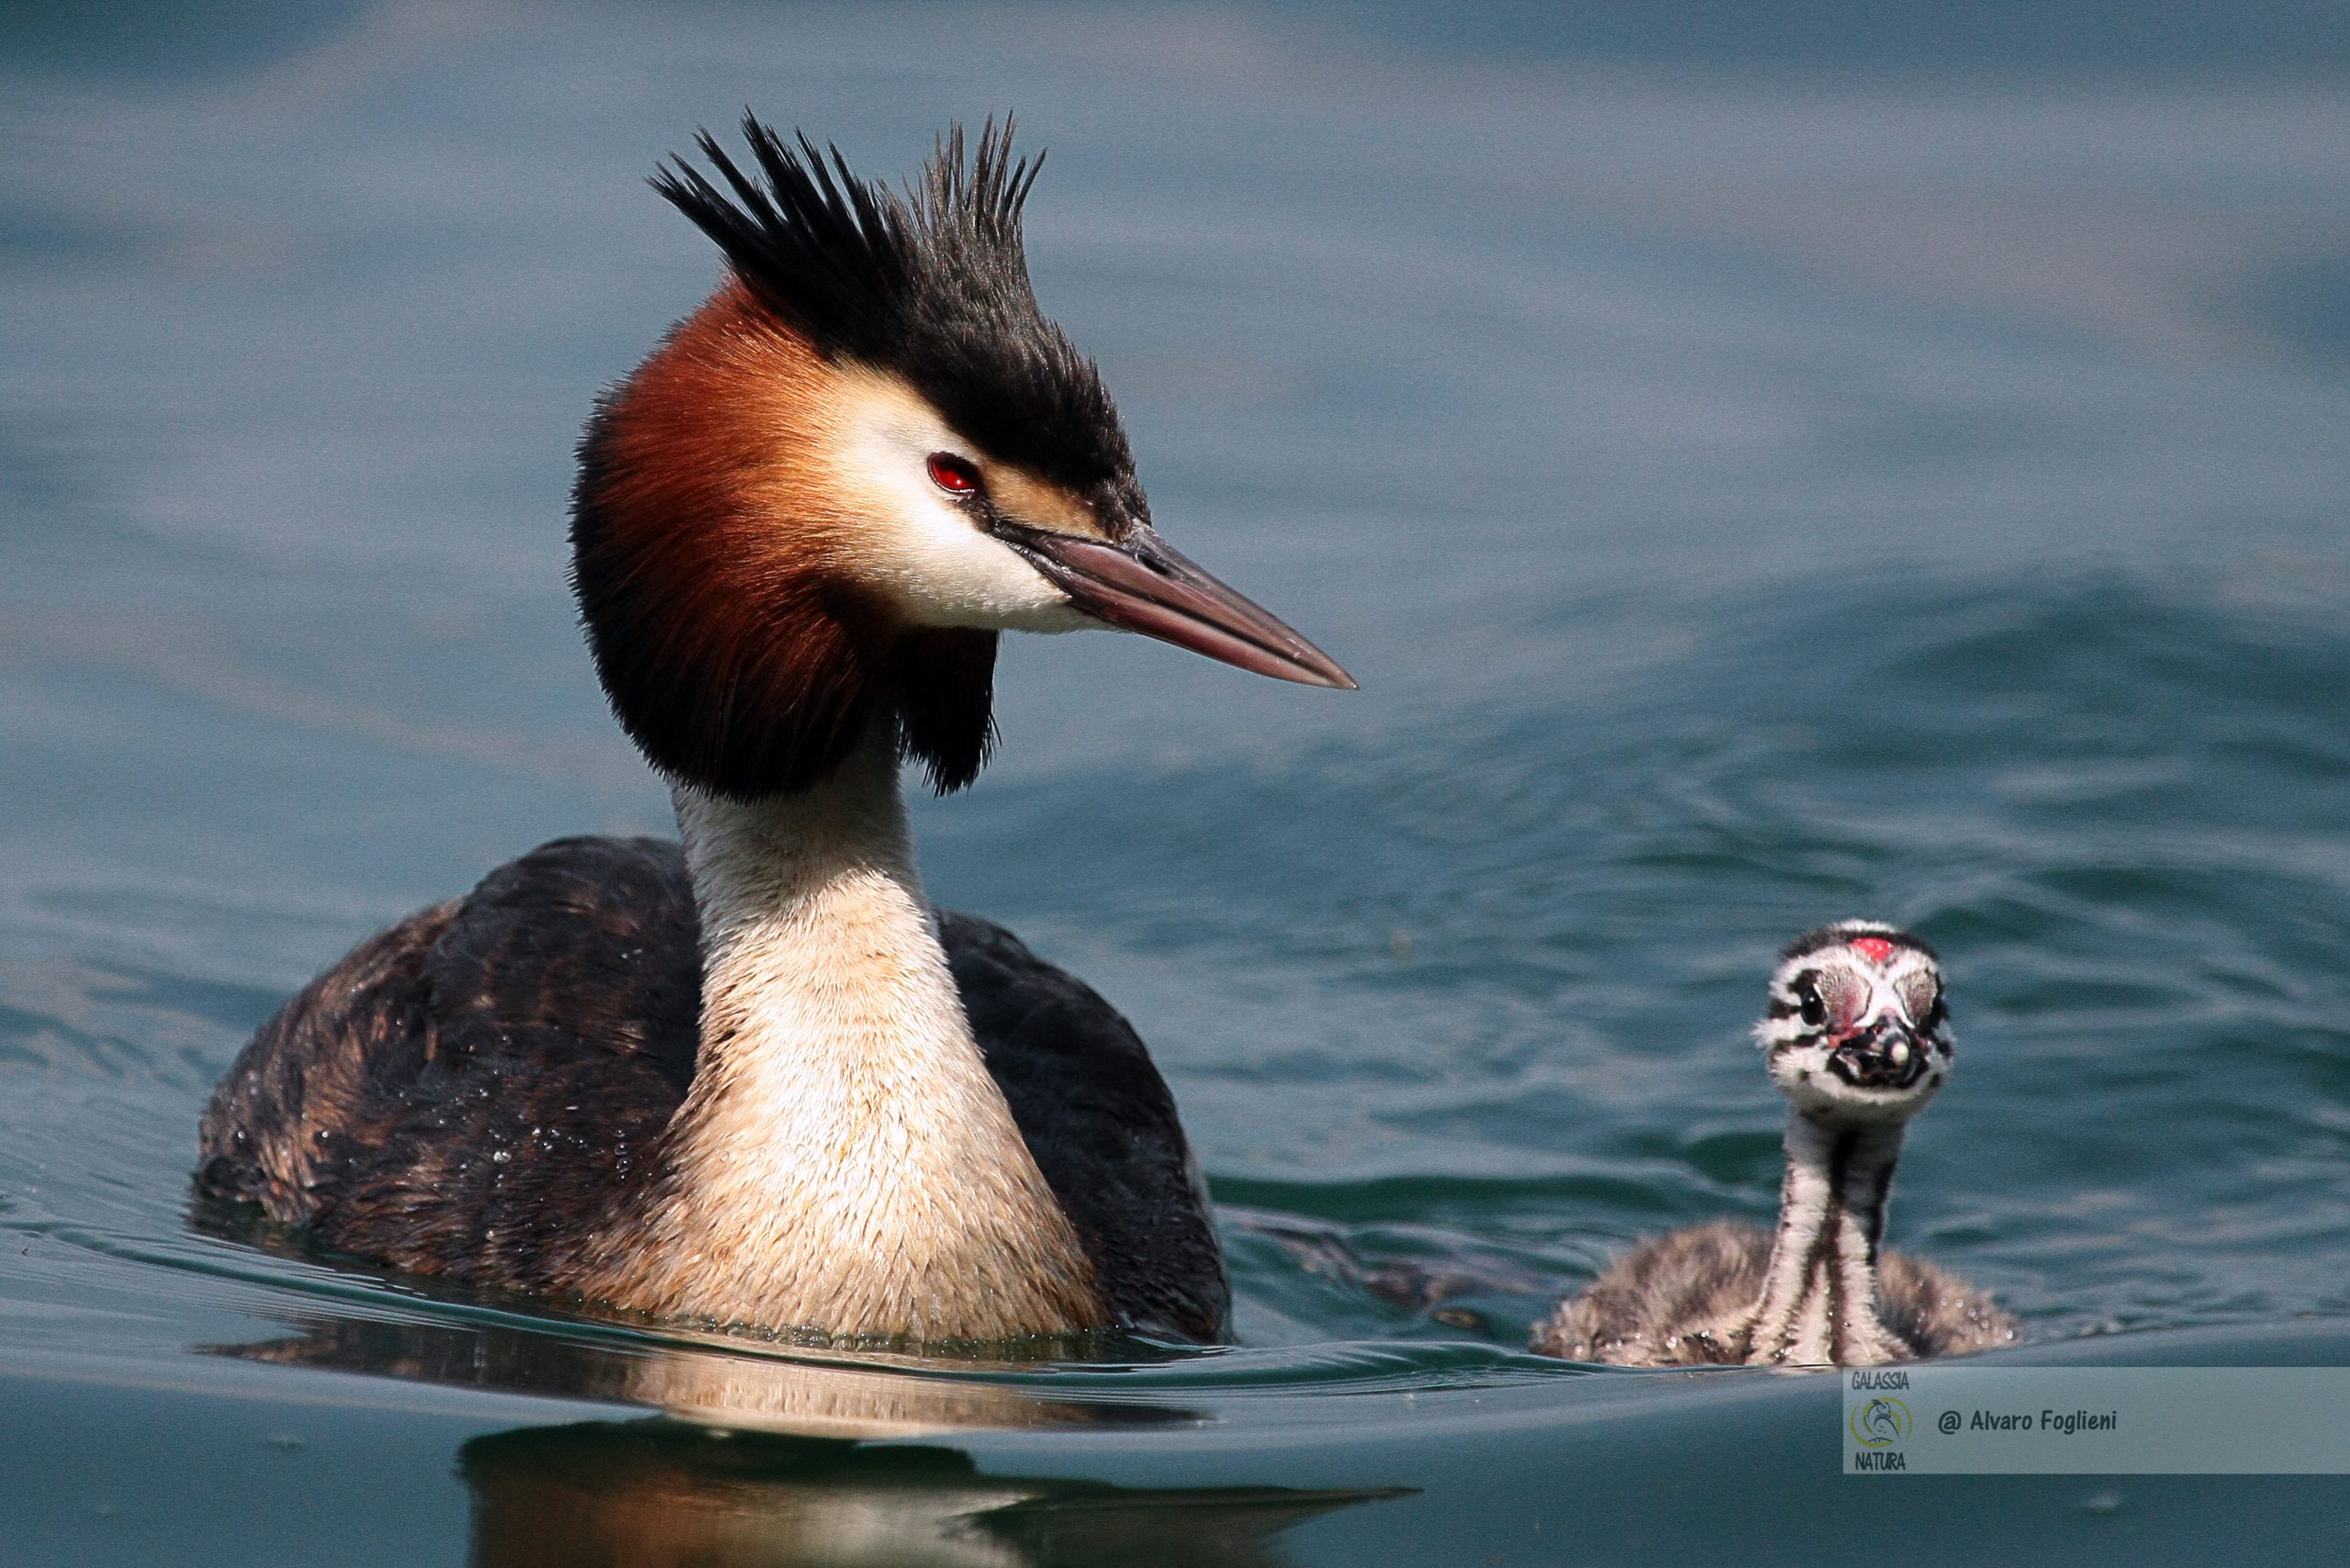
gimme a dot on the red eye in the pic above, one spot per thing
(952, 474)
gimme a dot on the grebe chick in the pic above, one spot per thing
(757, 1079)
(1858, 1040)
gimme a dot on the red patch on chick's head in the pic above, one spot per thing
(1875, 949)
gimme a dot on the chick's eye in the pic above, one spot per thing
(953, 475)
(1815, 1011)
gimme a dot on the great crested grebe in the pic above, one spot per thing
(756, 1079)
(1858, 1040)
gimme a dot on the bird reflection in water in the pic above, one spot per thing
(756, 1459)
(659, 1492)
(806, 1392)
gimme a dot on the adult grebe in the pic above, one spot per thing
(1858, 1038)
(757, 1079)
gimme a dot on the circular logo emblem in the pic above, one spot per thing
(1880, 1423)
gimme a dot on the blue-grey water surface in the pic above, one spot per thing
(1757, 478)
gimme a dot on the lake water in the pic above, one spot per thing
(1905, 477)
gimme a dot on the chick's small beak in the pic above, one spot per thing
(1887, 1056)
(1144, 585)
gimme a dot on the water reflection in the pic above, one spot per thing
(756, 1459)
(657, 1492)
(803, 1392)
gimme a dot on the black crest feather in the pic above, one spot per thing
(930, 284)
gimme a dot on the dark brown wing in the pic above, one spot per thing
(274, 1131)
(475, 1090)
(1103, 1127)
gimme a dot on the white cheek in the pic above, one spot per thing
(928, 556)
(953, 575)
(1798, 1073)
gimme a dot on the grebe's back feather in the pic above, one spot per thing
(483, 1088)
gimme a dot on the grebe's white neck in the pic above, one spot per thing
(1819, 1300)
(843, 1160)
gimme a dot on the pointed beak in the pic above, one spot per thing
(1144, 585)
